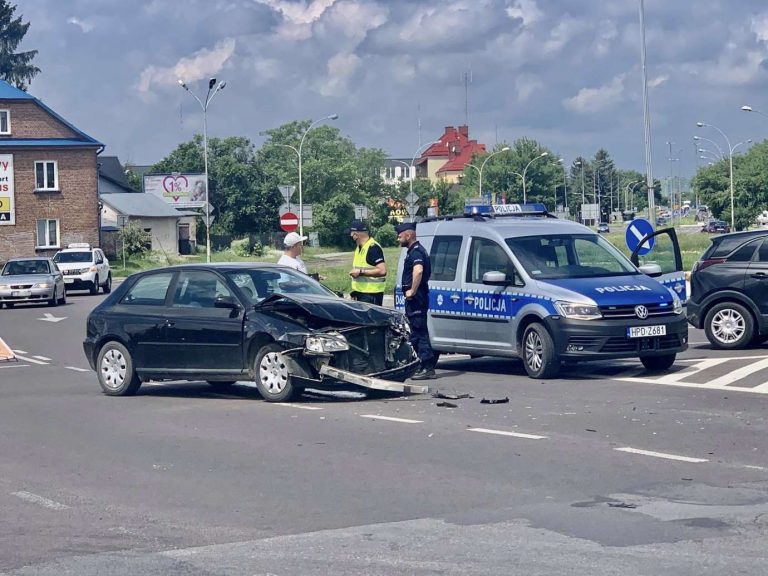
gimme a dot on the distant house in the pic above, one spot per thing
(48, 178)
(449, 156)
(172, 230)
(112, 178)
(397, 169)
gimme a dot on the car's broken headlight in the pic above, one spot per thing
(324, 343)
(400, 324)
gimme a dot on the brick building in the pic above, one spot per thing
(48, 179)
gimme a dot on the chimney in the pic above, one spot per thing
(464, 130)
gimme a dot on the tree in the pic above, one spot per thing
(245, 202)
(331, 219)
(15, 67)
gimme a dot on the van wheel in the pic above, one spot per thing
(114, 367)
(539, 355)
(95, 286)
(273, 378)
(658, 363)
(729, 326)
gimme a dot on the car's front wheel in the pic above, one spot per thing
(107, 288)
(114, 366)
(729, 326)
(273, 377)
(63, 299)
(95, 286)
(539, 357)
(658, 363)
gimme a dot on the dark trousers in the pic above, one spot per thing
(420, 340)
(370, 298)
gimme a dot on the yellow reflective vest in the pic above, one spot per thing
(367, 284)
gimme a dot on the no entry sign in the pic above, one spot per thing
(289, 221)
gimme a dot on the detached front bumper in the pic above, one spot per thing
(372, 381)
(607, 339)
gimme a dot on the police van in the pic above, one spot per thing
(514, 281)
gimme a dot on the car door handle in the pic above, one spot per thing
(760, 275)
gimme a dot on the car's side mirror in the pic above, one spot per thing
(226, 302)
(495, 278)
(650, 269)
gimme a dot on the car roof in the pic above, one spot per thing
(221, 266)
(742, 234)
(508, 227)
(27, 258)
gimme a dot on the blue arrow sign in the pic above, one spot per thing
(636, 231)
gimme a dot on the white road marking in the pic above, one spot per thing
(76, 369)
(289, 405)
(661, 455)
(755, 467)
(35, 499)
(739, 373)
(15, 366)
(507, 433)
(391, 419)
(48, 317)
(43, 358)
(31, 360)
(20, 351)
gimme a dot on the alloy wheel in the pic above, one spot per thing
(728, 326)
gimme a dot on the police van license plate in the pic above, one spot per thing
(646, 331)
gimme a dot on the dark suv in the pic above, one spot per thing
(729, 290)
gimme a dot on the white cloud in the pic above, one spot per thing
(355, 19)
(340, 70)
(526, 85)
(561, 34)
(298, 17)
(605, 37)
(658, 81)
(525, 10)
(84, 25)
(201, 64)
(760, 27)
(735, 65)
(403, 69)
(592, 100)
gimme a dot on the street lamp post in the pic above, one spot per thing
(301, 144)
(750, 109)
(480, 170)
(731, 150)
(630, 190)
(208, 97)
(542, 155)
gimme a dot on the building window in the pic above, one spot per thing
(5, 121)
(46, 175)
(47, 233)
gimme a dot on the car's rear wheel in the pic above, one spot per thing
(95, 286)
(539, 357)
(658, 363)
(273, 378)
(107, 288)
(729, 326)
(115, 370)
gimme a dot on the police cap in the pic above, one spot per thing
(400, 228)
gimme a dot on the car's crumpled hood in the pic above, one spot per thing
(332, 308)
(26, 279)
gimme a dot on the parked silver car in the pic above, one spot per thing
(31, 280)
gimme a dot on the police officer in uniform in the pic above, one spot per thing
(415, 286)
(369, 271)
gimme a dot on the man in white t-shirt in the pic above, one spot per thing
(294, 246)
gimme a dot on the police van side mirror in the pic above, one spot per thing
(495, 278)
(650, 269)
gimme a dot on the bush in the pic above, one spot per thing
(247, 247)
(135, 240)
(386, 236)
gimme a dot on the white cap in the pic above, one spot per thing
(293, 238)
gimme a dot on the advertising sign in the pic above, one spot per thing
(178, 190)
(7, 206)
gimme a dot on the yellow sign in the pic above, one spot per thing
(7, 209)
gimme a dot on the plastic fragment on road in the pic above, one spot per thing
(447, 405)
(495, 400)
(454, 396)
(6, 354)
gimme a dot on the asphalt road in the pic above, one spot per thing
(608, 470)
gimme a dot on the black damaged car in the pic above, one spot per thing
(265, 323)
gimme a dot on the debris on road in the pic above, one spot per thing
(495, 400)
(447, 405)
(453, 396)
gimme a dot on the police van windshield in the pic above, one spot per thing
(569, 256)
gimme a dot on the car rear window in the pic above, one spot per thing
(724, 245)
(72, 257)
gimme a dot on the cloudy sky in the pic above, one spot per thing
(565, 72)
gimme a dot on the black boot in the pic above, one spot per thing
(424, 374)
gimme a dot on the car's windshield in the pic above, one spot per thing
(26, 267)
(72, 257)
(260, 284)
(569, 256)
